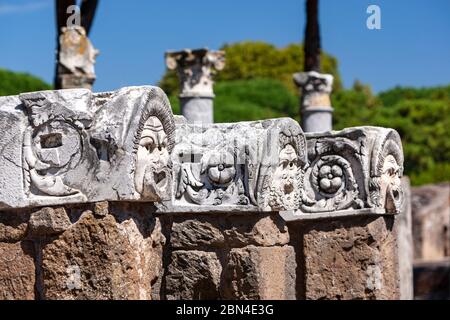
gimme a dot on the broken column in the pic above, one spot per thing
(76, 59)
(195, 69)
(315, 104)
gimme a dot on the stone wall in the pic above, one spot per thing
(126, 251)
(101, 251)
(230, 256)
(350, 258)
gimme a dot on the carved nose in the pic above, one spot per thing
(221, 167)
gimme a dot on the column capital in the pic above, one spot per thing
(315, 88)
(195, 69)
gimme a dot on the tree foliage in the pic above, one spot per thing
(244, 100)
(256, 60)
(12, 83)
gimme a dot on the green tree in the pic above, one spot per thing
(254, 99)
(12, 83)
(256, 60)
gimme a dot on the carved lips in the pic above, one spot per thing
(152, 158)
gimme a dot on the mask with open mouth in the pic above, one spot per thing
(152, 174)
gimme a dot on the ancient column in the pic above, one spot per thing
(315, 88)
(316, 110)
(76, 59)
(195, 69)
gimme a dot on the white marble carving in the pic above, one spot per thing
(74, 146)
(272, 166)
(241, 166)
(71, 146)
(350, 171)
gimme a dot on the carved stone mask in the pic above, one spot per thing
(284, 189)
(151, 178)
(391, 185)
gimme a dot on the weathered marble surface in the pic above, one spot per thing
(272, 165)
(353, 171)
(75, 146)
(243, 166)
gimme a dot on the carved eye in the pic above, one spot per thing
(284, 163)
(391, 172)
(147, 142)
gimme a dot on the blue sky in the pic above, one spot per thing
(411, 49)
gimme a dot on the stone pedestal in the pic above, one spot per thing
(315, 105)
(228, 257)
(195, 69)
(346, 258)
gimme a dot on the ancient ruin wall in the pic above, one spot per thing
(109, 196)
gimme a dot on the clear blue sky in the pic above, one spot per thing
(411, 49)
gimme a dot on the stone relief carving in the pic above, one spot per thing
(286, 184)
(152, 160)
(71, 146)
(77, 146)
(356, 168)
(386, 170)
(255, 164)
(273, 166)
(336, 166)
(52, 145)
